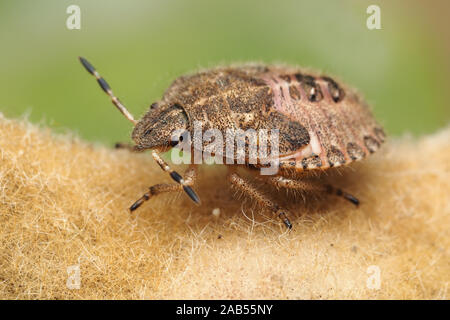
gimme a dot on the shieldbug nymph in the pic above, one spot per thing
(320, 124)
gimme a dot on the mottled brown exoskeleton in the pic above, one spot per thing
(322, 124)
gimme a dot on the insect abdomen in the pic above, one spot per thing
(340, 125)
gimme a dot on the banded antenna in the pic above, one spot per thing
(175, 175)
(105, 87)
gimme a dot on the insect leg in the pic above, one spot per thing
(242, 185)
(306, 185)
(340, 193)
(153, 191)
(190, 174)
(176, 177)
(105, 86)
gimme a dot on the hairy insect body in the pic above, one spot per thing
(320, 124)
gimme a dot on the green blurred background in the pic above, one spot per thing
(141, 46)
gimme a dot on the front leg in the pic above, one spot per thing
(176, 176)
(190, 177)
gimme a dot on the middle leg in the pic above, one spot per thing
(241, 184)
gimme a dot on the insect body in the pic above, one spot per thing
(321, 124)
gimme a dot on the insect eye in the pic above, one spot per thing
(154, 105)
(177, 138)
(183, 136)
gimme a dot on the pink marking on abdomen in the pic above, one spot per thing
(272, 83)
(315, 139)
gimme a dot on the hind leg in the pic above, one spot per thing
(307, 185)
(241, 184)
